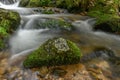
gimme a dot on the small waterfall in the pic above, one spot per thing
(6, 2)
(14, 7)
(10, 6)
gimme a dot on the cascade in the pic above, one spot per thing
(27, 39)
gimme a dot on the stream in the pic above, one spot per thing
(28, 38)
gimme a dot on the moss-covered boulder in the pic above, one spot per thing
(9, 21)
(107, 20)
(111, 25)
(106, 13)
(57, 51)
(114, 24)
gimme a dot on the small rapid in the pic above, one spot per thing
(27, 38)
(97, 38)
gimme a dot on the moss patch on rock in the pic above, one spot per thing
(9, 21)
(55, 24)
(114, 24)
(57, 51)
(51, 23)
(107, 14)
(35, 3)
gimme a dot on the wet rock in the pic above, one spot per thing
(2, 71)
(53, 24)
(43, 71)
(52, 10)
(102, 53)
(115, 60)
(9, 21)
(100, 70)
(57, 51)
(58, 72)
(112, 26)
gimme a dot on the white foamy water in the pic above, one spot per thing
(28, 39)
(9, 6)
(24, 41)
(15, 7)
(97, 38)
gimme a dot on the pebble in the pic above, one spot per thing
(2, 70)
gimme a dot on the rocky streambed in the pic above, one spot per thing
(90, 68)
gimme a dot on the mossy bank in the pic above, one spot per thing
(9, 21)
(57, 51)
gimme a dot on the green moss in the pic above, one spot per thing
(74, 5)
(45, 3)
(114, 24)
(106, 13)
(2, 45)
(57, 51)
(9, 19)
(54, 24)
(101, 17)
(3, 32)
(34, 3)
(109, 6)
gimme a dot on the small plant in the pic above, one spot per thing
(78, 5)
(104, 10)
(45, 2)
(3, 31)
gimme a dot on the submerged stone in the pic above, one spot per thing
(51, 23)
(57, 51)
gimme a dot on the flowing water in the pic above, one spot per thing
(29, 36)
(27, 39)
(8, 1)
